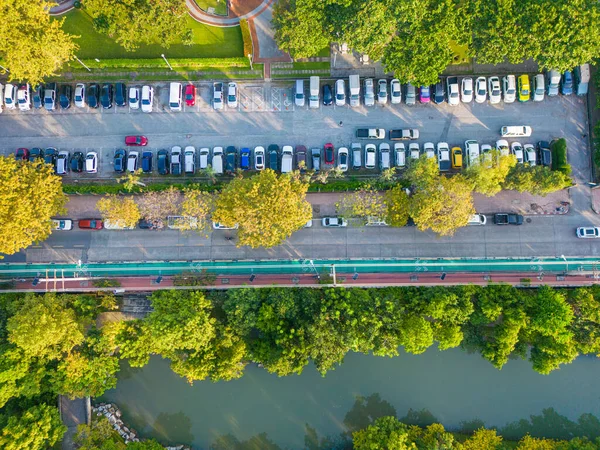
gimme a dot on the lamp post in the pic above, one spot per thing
(81, 62)
(250, 59)
(5, 69)
(163, 57)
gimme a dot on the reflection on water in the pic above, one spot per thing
(263, 411)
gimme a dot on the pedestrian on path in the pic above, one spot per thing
(341, 123)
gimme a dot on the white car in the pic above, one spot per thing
(411, 95)
(24, 97)
(466, 90)
(340, 93)
(132, 161)
(80, 95)
(232, 93)
(369, 92)
(91, 162)
(588, 232)
(62, 224)
(134, 98)
(517, 149)
(486, 154)
(382, 96)
(370, 156)
(530, 155)
(494, 90)
(343, 159)
(218, 95)
(480, 90)
(259, 158)
(502, 147)
(539, 88)
(443, 154)
(220, 226)
(334, 222)
(429, 149)
(509, 88)
(399, 154)
(147, 98)
(396, 91)
(413, 149)
(453, 91)
(10, 96)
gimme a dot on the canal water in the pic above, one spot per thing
(457, 389)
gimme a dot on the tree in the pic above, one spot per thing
(397, 202)
(537, 180)
(98, 435)
(483, 439)
(131, 180)
(33, 45)
(530, 443)
(299, 27)
(267, 207)
(365, 204)
(38, 427)
(423, 172)
(122, 212)
(443, 207)
(31, 195)
(198, 205)
(44, 327)
(155, 206)
(386, 433)
(148, 22)
(487, 177)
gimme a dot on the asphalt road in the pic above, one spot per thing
(263, 119)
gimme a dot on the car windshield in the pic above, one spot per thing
(340, 96)
(231, 98)
(189, 96)
(343, 159)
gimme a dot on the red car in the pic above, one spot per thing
(329, 154)
(91, 224)
(136, 141)
(22, 154)
(190, 95)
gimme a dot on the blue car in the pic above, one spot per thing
(566, 84)
(119, 160)
(245, 158)
(147, 162)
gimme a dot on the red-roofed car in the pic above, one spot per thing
(91, 224)
(136, 141)
(22, 154)
(190, 95)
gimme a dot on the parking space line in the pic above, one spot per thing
(58, 246)
(78, 245)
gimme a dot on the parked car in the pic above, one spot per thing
(509, 88)
(466, 90)
(457, 158)
(76, 162)
(132, 162)
(106, 97)
(494, 90)
(439, 96)
(232, 94)
(136, 141)
(218, 95)
(50, 156)
(517, 149)
(404, 134)
(245, 158)
(37, 97)
(120, 94)
(588, 232)
(480, 90)
(80, 95)
(299, 96)
(91, 162)
(329, 154)
(259, 158)
(176, 160)
(566, 83)
(10, 96)
(424, 94)
(343, 159)
(334, 222)
(204, 155)
(384, 156)
(370, 156)
(119, 160)
(62, 163)
(93, 95)
(443, 154)
(315, 154)
(134, 97)
(530, 155)
(399, 154)
(91, 224)
(62, 224)
(453, 91)
(523, 88)
(24, 97)
(36, 154)
(429, 149)
(230, 159)
(190, 95)
(50, 97)
(508, 219)
(539, 88)
(162, 162)
(65, 96)
(414, 151)
(544, 153)
(356, 155)
(273, 151)
(382, 94)
(369, 92)
(327, 95)
(486, 154)
(396, 91)
(340, 92)
(147, 98)
(502, 147)
(147, 162)
(22, 154)
(411, 95)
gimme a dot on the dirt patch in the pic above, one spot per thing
(238, 8)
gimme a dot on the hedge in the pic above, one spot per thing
(559, 156)
(246, 37)
(194, 63)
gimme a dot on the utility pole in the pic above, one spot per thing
(163, 57)
(81, 62)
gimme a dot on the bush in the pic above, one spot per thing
(103, 189)
(188, 63)
(246, 37)
(559, 156)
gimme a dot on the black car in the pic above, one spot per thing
(544, 153)
(66, 94)
(77, 162)
(230, 157)
(439, 96)
(147, 225)
(273, 152)
(106, 97)
(93, 95)
(37, 97)
(120, 160)
(120, 94)
(147, 162)
(162, 162)
(50, 156)
(327, 95)
(36, 154)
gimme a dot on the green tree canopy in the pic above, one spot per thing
(36, 428)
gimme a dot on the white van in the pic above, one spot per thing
(477, 219)
(313, 100)
(204, 152)
(472, 152)
(189, 159)
(175, 96)
(299, 96)
(516, 131)
(217, 160)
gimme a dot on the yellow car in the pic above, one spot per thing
(457, 160)
(523, 88)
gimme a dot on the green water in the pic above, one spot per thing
(451, 387)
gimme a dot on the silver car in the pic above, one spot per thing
(411, 95)
(340, 93)
(382, 94)
(369, 92)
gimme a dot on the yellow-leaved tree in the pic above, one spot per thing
(268, 208)
(30, 194)
(196, 209)
(122, 212)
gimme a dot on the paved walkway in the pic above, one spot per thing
(234, 17)
(72, 413)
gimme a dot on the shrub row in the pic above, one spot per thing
(559, 156)
(196, 63)
(246, 37)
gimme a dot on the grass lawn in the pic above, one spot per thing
(209, 42)
(220, 6)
